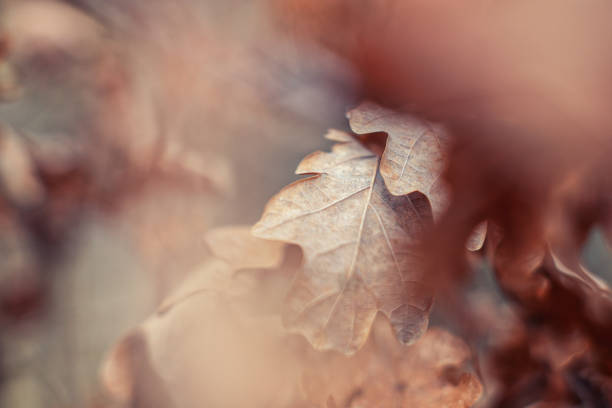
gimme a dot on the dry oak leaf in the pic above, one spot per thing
(414, 157)
(237, 246)
(208, 339)
(359, 244)
(233, 248)
(202, 353)
(429, 373)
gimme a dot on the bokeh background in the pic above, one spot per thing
(141, 124)
(128, 129)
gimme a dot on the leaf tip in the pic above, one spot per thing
(409, 324)
(338, 136)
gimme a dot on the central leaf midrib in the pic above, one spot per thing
(350, 271)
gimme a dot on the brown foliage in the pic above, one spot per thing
(491, 133)
(414, 157)
(192, 351)
(430, 373)
(362, 258)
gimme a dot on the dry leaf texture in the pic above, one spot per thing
(359, 244)
(414, 157)
(195, 352)
(384, 373)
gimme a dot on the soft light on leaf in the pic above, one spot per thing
(213, 350)
(385, 373)
(415, 153)
(414, 158)
(239, 248)
(208, 345)
(360, 249)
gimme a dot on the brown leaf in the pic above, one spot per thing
(568, 330)
(415, 153)
(414, 158)
(359, 246)
(386, 374)
(212, 350)
(233, 248)
(206, 345)
(204, 353)
(238, 247)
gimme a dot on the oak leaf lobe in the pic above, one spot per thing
(360, 249)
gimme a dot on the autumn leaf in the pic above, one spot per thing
(429, 373)
(207, 344)
(415, 153)
(204, 353)
(194, 352)
(528, 271)
(233, 248)
(240, 249)
(359, 244)
(414, 158)
(562, 335)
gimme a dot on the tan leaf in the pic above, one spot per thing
(203, 353)
(207, 345)
(414, 158)
(527, 272)
(386, 374)
(415, 154)
(238, 247)
(211, 350)
(233, 248)
(359, 246)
